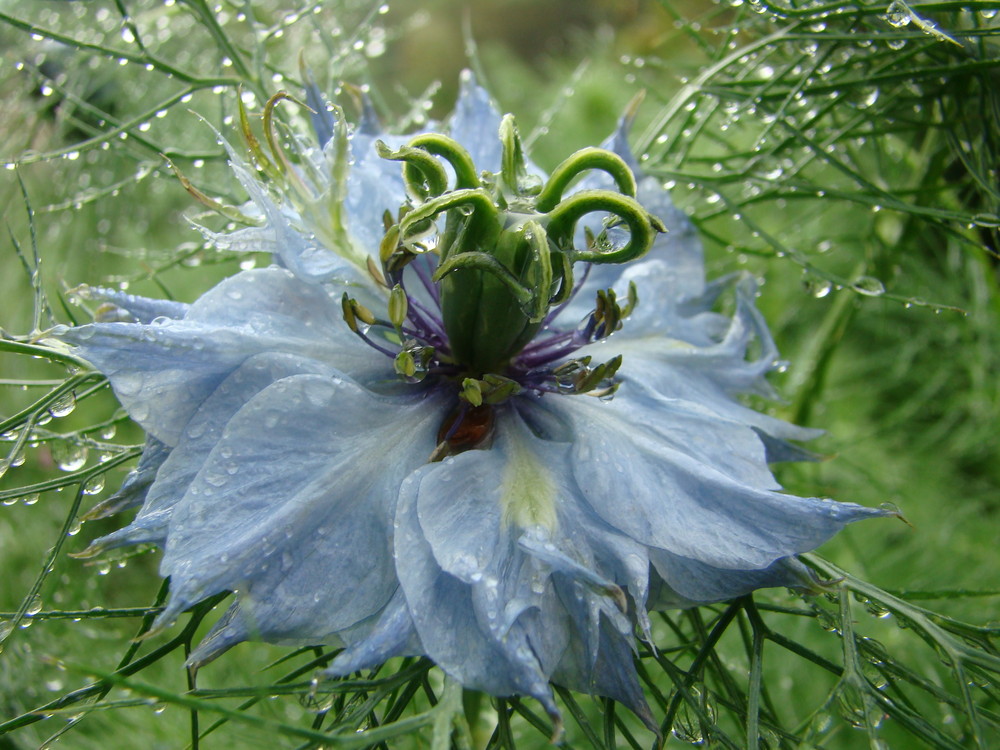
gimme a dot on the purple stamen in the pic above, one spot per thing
(554, 340)
(576, 288)
(425, 319)
(424, 274)
(377, 347)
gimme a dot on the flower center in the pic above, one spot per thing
(493, 257)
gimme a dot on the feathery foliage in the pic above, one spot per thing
(847, 152)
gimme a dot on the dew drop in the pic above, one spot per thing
(94, 486)
(63, 406)
(869, 286)
(897, 15)
(69, 457)
(820, 288)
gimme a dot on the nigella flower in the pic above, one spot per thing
(472, 412)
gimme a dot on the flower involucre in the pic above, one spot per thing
(459, 416)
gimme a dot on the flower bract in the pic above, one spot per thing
(472, 411)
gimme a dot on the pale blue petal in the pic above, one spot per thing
(320, 116)
(516, 587)
(698, 432)
(367, 644)
(482, 510)
(246, 240)
(134, 489)
(446, 620)
(665, 498)
(685, 583)
(709, 375)
(292, 243)
(228, 631)
(296, 248)
(200, 436)
(612, 674)
(162, 372)
(374, 186)
(393, 634)
(663, 310)
(292, 507)
(781, 450)
(475, 124)
(130, 307)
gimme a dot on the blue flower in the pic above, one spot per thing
(536, 444)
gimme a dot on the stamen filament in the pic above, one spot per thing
(576, 288)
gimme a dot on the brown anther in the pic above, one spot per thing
(466, 428)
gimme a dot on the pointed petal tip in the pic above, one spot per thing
(228, 631)
(91, 551)
(107, 507)
(156, 629)
(558, 729)
(891, 510)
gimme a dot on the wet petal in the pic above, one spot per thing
(130, 307)
(134, 489)
(288, 511)
(200, 436)
(392, 634)
(476, 123)
(162, 372)
(520, 566)
(612, 674)
(685, 582)
(445, 615)
(711, 374)
(666, 498)
(374, 186)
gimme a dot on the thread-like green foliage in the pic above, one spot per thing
(845, 150)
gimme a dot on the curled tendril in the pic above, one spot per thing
(280, 158)
(642, 225)
(253, 145)
(483, 214)
(539, 271)
(423, 176)
(514, 176)
(583, 160)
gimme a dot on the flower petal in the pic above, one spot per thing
(684, 582)
(163, 372)
(130, 307)
(517, 575)
(667, 498)
(374, 186)
(292, 507)
(445, 615)
(476, 123)
(393, 634)
(200, 436)
(612, 674)
(135, 488)
(707, 374)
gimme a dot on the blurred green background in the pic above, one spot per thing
(846, 158)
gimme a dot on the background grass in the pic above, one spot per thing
(845, 154)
